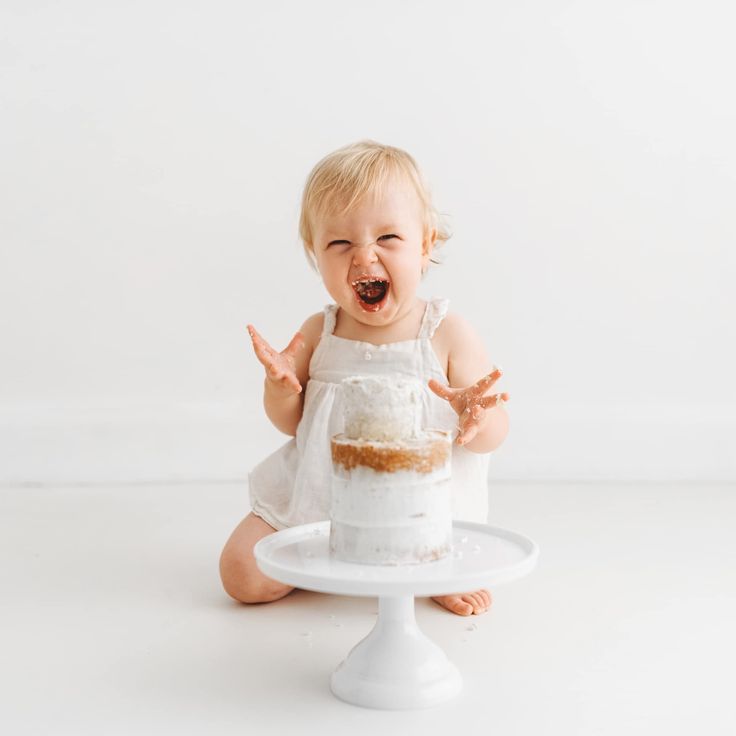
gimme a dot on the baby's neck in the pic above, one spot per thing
(405, 327)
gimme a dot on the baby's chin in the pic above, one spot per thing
(391, 311)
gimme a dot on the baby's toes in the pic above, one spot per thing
(475, 600)
(479, 602)
(455, 603)
(460, 605)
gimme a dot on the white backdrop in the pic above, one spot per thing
(153, 155)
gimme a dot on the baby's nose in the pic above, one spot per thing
(364, 254)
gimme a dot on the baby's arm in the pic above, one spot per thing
(483, 420)
(287, 374)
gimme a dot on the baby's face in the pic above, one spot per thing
(371, 258)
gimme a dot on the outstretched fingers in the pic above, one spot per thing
(467, 434)
(264, 352)
(444, 392)
(488, 402)
(279, 366)
(480, 387)
(258, 341)
(471, 418)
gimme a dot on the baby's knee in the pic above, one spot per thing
(237, 577)
(245, 590)
(242, 581)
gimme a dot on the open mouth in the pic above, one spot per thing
(371, 293)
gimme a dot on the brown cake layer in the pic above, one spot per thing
(421, 456)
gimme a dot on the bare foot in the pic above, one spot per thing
(465, 604)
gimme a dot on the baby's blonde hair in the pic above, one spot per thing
(342, 178)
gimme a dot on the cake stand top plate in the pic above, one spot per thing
(481, 556)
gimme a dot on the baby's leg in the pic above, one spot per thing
(240, 575)
(465, 604)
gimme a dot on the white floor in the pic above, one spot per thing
(112, 620)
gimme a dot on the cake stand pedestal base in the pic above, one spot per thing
(396, 666)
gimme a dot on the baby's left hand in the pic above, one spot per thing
(471, 404)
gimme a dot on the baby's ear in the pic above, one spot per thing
(430, 238)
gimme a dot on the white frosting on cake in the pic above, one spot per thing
(382, 408)
(396, 518)
(391, 497)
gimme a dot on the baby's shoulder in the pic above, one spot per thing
(467, 359)
(452, 335)
(312, 329)
(454, 329)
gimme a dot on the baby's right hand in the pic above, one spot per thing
(280, 367)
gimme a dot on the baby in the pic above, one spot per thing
(369, 228)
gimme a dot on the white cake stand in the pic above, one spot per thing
(396, 666)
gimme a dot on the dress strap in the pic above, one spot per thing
(330, 319)
(435, 312)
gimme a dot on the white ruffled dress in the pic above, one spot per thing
(292, 485)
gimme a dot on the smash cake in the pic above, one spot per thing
(390, 495)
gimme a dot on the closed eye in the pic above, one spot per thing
(384, 238)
